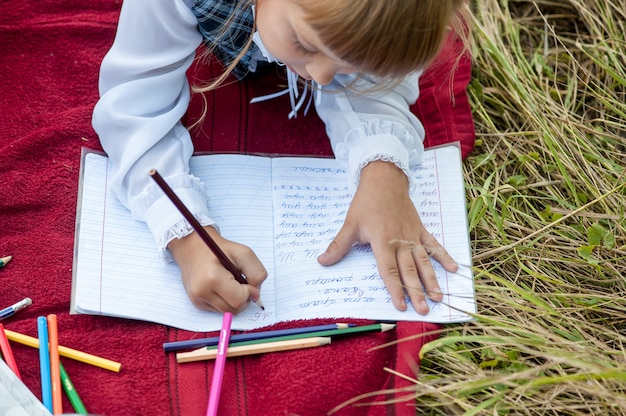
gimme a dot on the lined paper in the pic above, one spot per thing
(287, 210)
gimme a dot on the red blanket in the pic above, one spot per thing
(49, 60)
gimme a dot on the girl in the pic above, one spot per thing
(361, 59)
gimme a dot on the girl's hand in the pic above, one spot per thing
(383, 215)
(208, 284)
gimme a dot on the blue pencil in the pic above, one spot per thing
(11, 310)
(207, 342)
(44, 363)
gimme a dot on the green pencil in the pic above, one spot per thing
(71, 392)
(333, 333)
(5, 260)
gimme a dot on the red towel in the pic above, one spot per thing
(49, 63)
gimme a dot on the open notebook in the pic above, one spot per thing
(287, 209)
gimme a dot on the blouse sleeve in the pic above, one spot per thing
(144, 93)
(364, 126)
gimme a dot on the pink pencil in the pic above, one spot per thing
(220, 363)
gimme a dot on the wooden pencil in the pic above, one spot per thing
(66, 352)
(222, 257)
(196, 343)
(206, 354)
(55, 370)
(333, 333)
(7, 353)
(5, 260)
(220, 364)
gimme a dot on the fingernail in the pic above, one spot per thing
(423, 307)
(435, 294)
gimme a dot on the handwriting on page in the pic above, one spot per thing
(287, 210)
(310, 205)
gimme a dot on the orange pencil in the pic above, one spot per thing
(55, 370)
(7, 352)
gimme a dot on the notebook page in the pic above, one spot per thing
(15, 398)
(118, 272)
(310, 203)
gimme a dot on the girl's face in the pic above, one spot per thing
(291, 40)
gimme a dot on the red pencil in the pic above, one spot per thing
(7, 352)
(55, 370)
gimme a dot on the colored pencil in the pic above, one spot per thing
(294, 344)
(55, 371)
(13, 309)
(7, 353)
(220, 363)
(333, 333)
(5, 260)
(204, 235)
(44, 363)
(71, 392)
(66, 352)
(206, 342)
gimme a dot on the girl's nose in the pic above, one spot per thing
(322, 71)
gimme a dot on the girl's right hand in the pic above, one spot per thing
(208, 284)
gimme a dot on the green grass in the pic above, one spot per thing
(546, 199)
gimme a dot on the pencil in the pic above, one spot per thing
(222, 257)
(294, 344)
(66, 352)
(333, 333)
(55, 371)
(7, 352)
(13, 309)
(220, 363)
(5, 260)
(44, 363)
(71, 392)
(212, 341)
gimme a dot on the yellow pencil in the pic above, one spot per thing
(66, 352)
(294, 344)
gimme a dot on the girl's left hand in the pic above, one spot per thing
(383, 215)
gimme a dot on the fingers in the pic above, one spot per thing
(339, 247)
(220, 293)
(212, 287)
(389, 272)
(252, 268)
(409, 266)
(409, 269)
(441, 255)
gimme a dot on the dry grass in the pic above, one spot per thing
(547, 199)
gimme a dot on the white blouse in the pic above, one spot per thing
(144, 93)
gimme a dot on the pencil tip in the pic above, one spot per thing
(386, 327)
(324, 340)
(259, 303)
(5, 260)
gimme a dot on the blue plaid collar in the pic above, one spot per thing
(212, 15)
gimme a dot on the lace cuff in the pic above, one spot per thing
(163, 218)
(179, 230)
(380, 140)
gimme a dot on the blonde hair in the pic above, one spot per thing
(385, 38)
